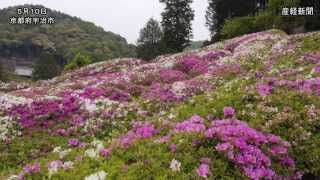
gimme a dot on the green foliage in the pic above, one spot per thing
(45, 68)
(287, 24)
(270, 18)
(151, 33)
(312, 22)
(238, 26)
(212, 104)
(307, 155)
(78, 61)
(176, 23)
(148, 51)
(311, 44)
(149, 42)
(227, 19)
(276, 5)
(263, 21)
(220, 10)
(3, 76)
(36, 145)
(295, 127)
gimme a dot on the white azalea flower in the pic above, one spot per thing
(64, 153)
(57, 149)
(52, 171)
(97, 176)
(90, 106)
(178, 88)
(96, 142)
(68, 165)
(54, 167)
(98, 145)
(171, 116)
(7, 130)
(7, 101)
(13, 177)
(91, 153)
(175, 165)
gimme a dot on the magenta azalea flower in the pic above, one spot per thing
(192, 125)
(223, 147)
(140, 130)
(32, 168)
(196, 143)
(79, 158)
(317, 69)
(245, 147)
(173, 148)
(82, 145)
(192, 65)
(203, 170)
(171, 76)
(55, 164)
(264, 90)
(73, 142)
(146, 130)
(205, 160)
(229, 112)
(288, 162)
(105, 152)
(312, 57)
(214, 55)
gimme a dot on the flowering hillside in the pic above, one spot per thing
(246, 108)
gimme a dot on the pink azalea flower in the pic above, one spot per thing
(229, 112)
(173, 148)
(82, 145)
(32, 168)
(105, 152)
(73, 142)
(264, 90)
(192, 125)
(203, 170)
(79, 158)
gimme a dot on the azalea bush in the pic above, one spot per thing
(78, 61)
(245, 108)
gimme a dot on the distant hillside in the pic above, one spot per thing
(194, 45)
(67, 36)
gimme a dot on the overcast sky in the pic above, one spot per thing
(124, 17)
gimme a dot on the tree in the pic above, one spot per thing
(78, 61)
(291, 23)
(2, 73)
(238, 26)
(46, 67)
(176, 23)
(270, 17)
(149, 41)
(220, 10)
(285, 23)
(213, 21)
(312, 23)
